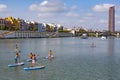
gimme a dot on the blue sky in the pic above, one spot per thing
(89, 14)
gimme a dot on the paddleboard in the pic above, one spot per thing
(49, 57)
(34, 68)
(17, 64)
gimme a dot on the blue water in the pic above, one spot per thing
(75, 59)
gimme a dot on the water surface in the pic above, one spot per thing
(75, 59)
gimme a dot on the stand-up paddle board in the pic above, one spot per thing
(34, 68)
(16, 64)
(52, 57)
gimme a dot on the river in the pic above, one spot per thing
(75, 59)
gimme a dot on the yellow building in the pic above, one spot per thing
(15, 23)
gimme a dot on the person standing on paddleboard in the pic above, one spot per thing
(16, 48)
(31, 55)
(33, 60)
(16, 57)
(50, 54)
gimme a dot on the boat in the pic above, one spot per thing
(34, 68)
(16, 64)
(103, 38)
(84, 36)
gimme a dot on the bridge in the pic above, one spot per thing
(98, 34)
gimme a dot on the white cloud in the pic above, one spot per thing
(81, 21)
(44, 3)
(102, 7)
(50, 6)
(118, 22)
(87, 17)
(117, 8)
(73, 7)
(3, 7)
(117, 16)
(45, 15)
(90, 14)
(70, 14)
(103, 21)
(33, 7)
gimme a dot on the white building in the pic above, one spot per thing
(41, 27)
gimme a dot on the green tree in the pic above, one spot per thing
(2, 27)
(65, 31)
(81, 30)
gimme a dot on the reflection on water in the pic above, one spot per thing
(112, 69)
(111, 45)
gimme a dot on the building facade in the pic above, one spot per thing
(15, 23)
(2, 23)
(111, 19)
(41, 27)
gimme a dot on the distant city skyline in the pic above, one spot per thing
(90, 14)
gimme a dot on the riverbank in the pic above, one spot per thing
(36, 34)
(32, 34)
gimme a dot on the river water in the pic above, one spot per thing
(75, 59)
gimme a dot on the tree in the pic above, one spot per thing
(81, 30)
(2, 27)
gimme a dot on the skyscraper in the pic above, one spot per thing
(111, 19)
